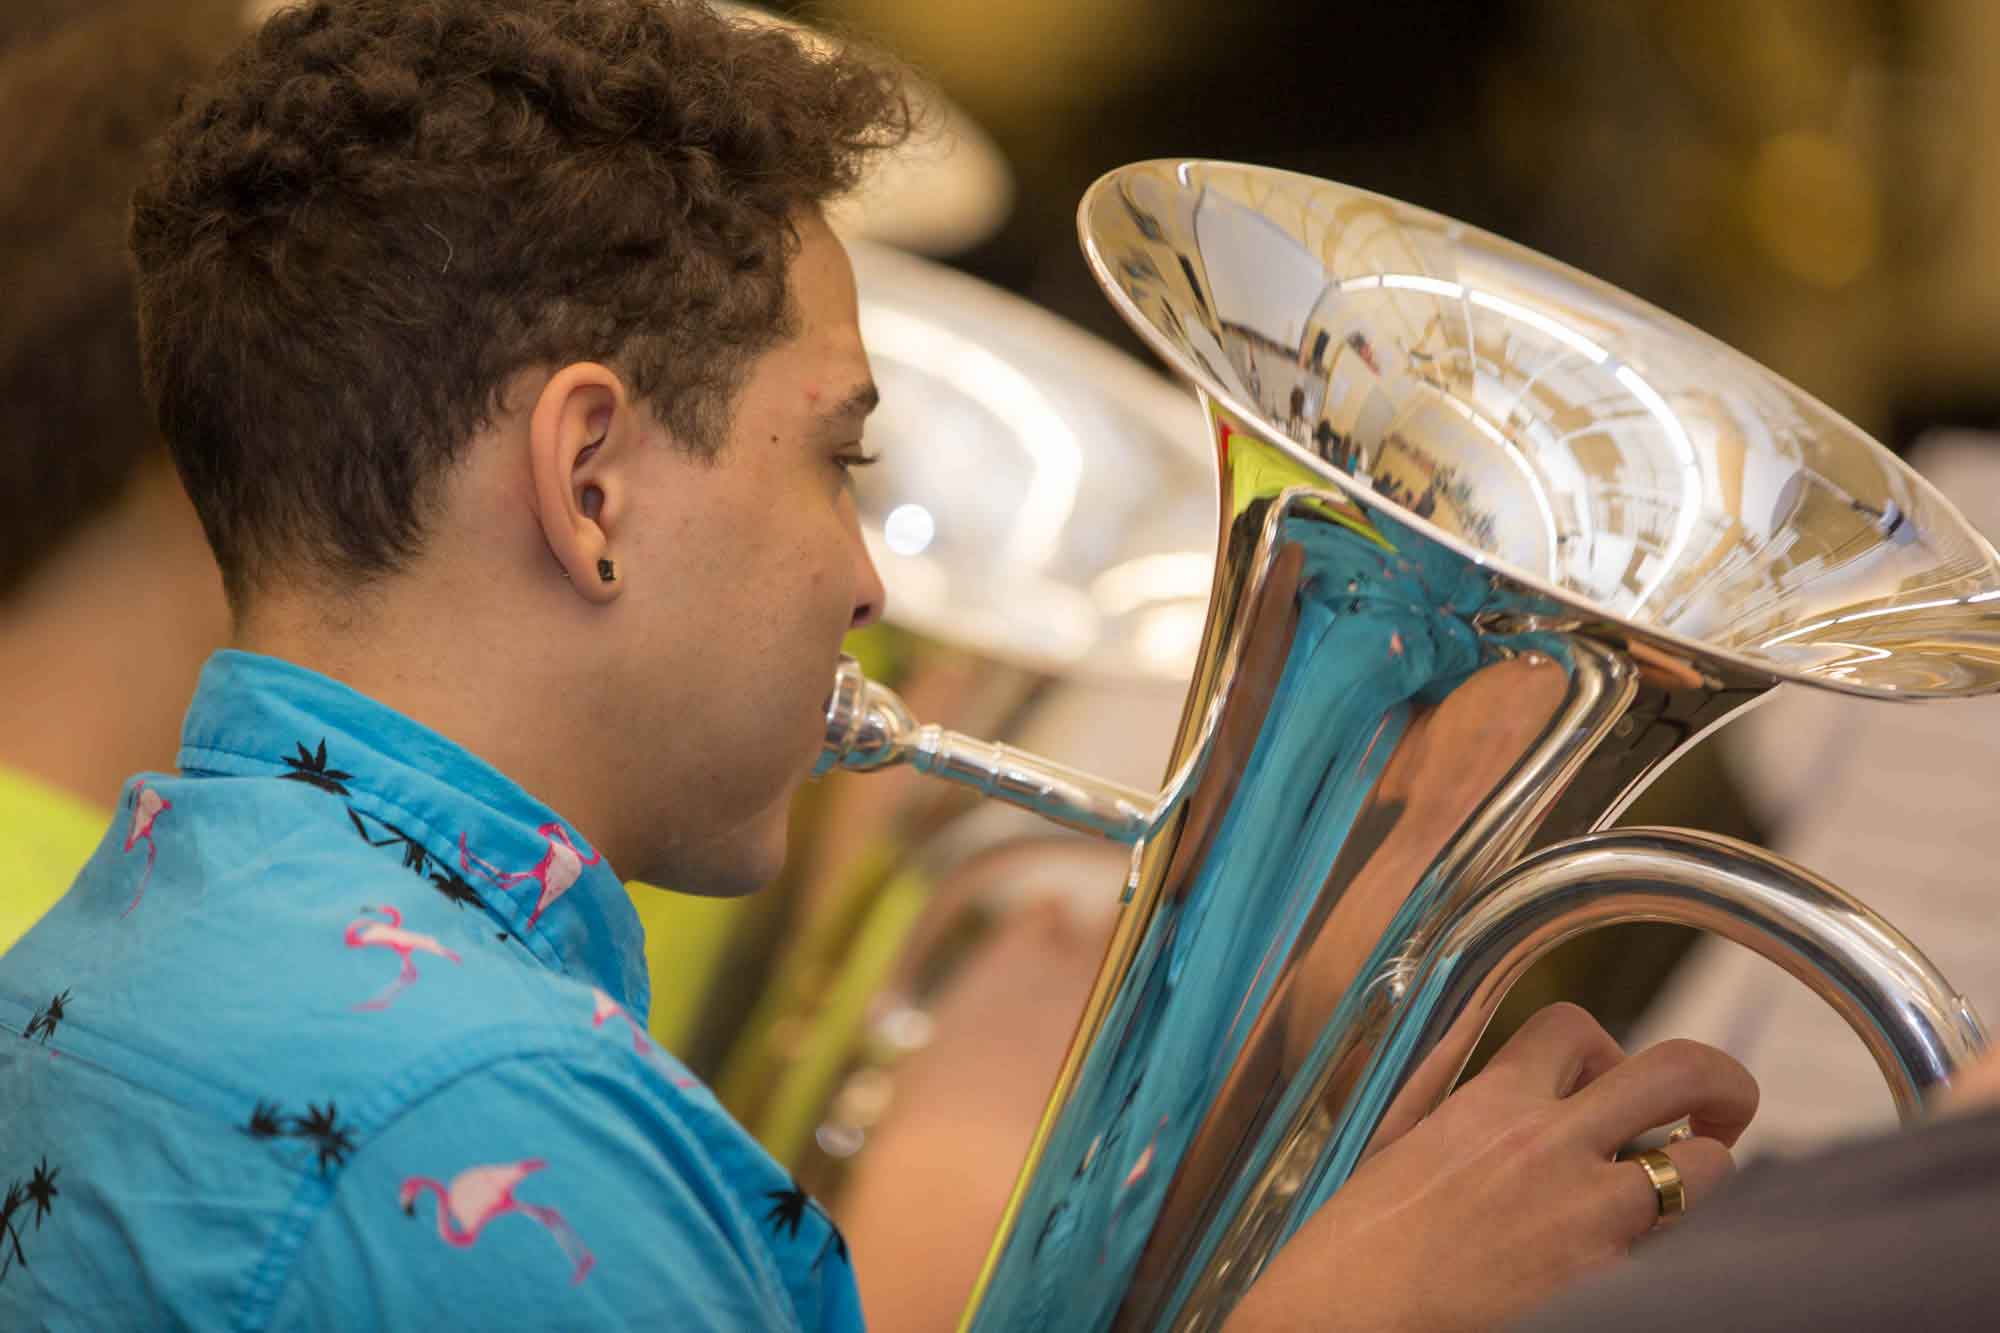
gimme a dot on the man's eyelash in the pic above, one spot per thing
(858, 460)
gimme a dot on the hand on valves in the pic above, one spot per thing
(1510, 1190)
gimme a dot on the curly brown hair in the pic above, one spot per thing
(84, 87)
(381, 210)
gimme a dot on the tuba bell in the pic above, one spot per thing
(1497, 544)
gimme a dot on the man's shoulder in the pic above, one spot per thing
(324, 1106)
(251, 940)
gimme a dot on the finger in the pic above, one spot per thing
(1660, 1085)
(1703, 1165)
(1557, 1051)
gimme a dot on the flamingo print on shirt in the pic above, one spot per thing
(479, 1194)
(365, 934)
(608, 1008)
(560, 867)
(605, 1009)
(147, 806)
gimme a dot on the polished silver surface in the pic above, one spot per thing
(867, 727)
(1914, 1022)
(1495, 545)
(1857, 963)
(1551, 427)
(1042, 499)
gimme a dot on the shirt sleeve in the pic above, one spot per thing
(546, 1192)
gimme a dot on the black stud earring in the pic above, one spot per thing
(606, 572)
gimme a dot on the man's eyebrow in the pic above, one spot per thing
(857, 404)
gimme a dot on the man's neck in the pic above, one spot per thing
(100, 650)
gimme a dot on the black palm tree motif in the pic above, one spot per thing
(310, 768)
(10, 1233)
(17, 1195)
(414, 856)
(266, 1121)
(41, 1191)
(333, 1142)
(45, 1020)
(441, 876)
(455, 888)
(788, 1209)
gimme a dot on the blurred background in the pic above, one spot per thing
(1802, 178)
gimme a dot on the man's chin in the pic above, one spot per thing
(733, 871)
(726, 883)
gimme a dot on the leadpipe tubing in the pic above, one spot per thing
(868, 727)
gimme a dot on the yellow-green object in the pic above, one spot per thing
(803, 1036)
(806, 1087)
(45, 837)
(686, 938)
(883, 650)
(802, 971)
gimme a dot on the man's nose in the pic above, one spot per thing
(870, 596)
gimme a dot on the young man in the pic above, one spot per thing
(516, 380)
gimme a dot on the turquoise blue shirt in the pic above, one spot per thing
(341, 1029)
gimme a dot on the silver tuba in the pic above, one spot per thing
(1497, 544)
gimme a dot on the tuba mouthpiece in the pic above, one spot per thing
(867, 726)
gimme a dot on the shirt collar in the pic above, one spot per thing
(452, 816)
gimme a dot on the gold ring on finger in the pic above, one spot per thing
(1666, 1182)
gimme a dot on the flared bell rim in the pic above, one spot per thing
(1977, 675)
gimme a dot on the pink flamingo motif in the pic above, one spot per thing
(608, 1008)
(560, 867)
(479, 1194)
(147, 806)
(365, 934)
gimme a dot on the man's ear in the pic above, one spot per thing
(583, 435)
